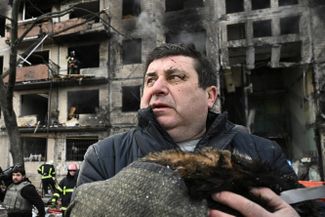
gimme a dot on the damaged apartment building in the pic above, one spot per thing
(268, 54)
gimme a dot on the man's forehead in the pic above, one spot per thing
(166, 70)
(170, 63)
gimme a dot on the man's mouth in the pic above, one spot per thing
(159, 106)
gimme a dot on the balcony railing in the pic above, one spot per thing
(31, 73)
(67, 27)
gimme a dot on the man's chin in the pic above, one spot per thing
(166, 122)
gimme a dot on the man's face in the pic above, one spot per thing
(17, 178)
(72, 172)
(171, 88)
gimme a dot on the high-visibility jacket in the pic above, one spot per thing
(47, 171)
(64, 190)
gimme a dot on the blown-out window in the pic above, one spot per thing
(130, 8)
(175, 5)
(237, 55)
(236, 31)
(77, 147)
(289, 25)
(233, 6)
(2, 26)
(87, 55)
(260, 4)
(38, 57)
(287, 2)
(1, 65)
(131, 51)
(262, 28)
(33, 9)
(291, 52)
(130, 98)
(82, 102)
(86, 10)
(34, 148)
(35, 105)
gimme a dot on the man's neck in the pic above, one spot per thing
(184, 134)
(188, 146)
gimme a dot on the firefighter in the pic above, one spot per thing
(47, 171)
(73, 63)
(66, 186)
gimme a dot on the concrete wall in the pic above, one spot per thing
(301, 112)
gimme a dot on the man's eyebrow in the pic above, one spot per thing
(172, 70)
(169, 71)
(150, 74)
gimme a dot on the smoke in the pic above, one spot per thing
(147, 25)
(186, 37)
(3, 7)
(196, 38)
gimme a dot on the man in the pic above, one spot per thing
(73, 63)
(66, 186)
(47, 171)
(178, 92)
(21, 196)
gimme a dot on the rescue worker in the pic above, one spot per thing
(21, 196)
(66, 186)
(73, 63)
(47, 171)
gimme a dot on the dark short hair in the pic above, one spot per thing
(206, 72)
(19, 169)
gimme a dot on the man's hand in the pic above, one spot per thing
(250, 209)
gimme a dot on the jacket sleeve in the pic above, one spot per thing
(98, 163)
(271, 153)
(29, 193)
(58, 192)
(39, 170)
(280, 161)
(90, 169)
(265, 151)
(53, 173)
(107, 157)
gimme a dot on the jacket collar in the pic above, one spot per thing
(217, 125)
(219, 131)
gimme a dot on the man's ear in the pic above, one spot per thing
(212, 93)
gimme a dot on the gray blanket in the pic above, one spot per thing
(140, 190)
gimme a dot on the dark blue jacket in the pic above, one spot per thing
(107, 157)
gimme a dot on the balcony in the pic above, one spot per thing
(31, 73)
(61, 30)
(72, 26)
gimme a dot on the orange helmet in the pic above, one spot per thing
(72, 166)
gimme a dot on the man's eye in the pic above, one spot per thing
(176, 77)
(150, 81)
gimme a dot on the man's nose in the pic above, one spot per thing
(160, 87)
